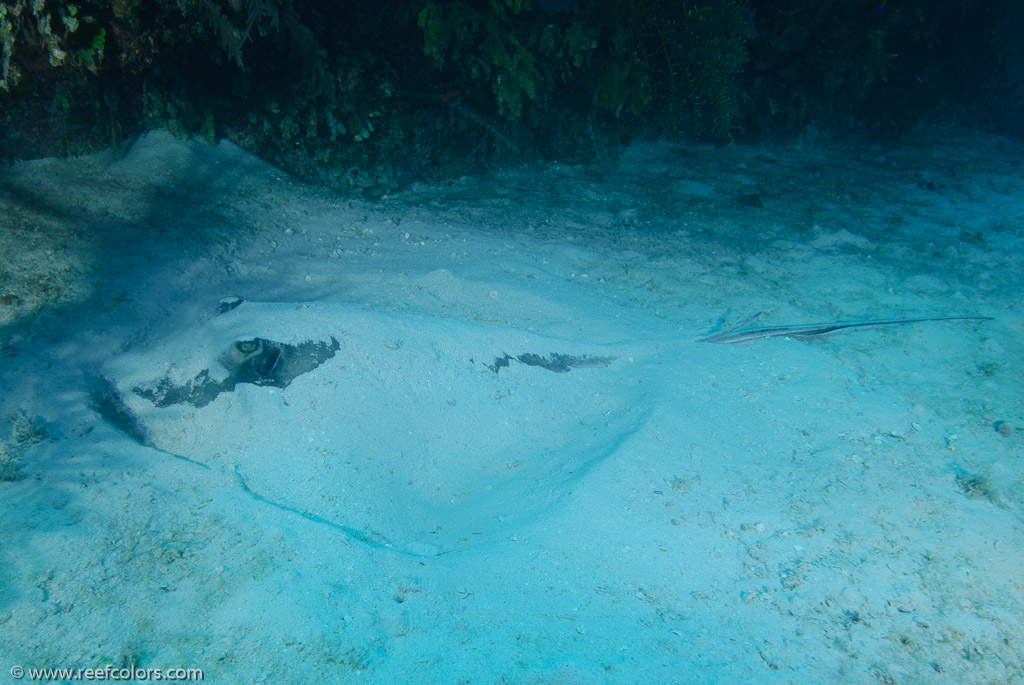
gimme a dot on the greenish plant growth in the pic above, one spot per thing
(875, 66)
(685, 55)
(364, 94)
(247, 19)
(35, 32)
(505, 46)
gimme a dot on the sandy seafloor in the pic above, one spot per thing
(846, 509)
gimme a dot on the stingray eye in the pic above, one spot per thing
(248, 346)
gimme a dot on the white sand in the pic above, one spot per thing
(840, 509)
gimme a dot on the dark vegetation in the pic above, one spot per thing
(374, 95)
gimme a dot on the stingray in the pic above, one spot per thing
(396, 429)
(391, 427)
